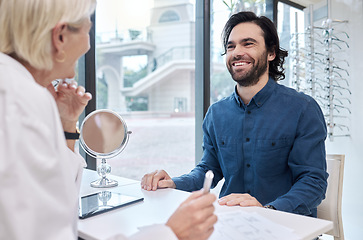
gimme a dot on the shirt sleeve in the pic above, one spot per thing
(307, 162)
(43, 187)
(156, 231)
(194, 180)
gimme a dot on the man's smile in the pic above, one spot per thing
(240, 64)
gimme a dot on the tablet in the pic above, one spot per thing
(104, 201)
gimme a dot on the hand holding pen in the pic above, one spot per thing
(195, 218)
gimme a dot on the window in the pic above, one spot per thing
(145, 72)
(180, 105)
(169, 16)
(290, 22)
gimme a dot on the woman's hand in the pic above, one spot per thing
(194, 218)
(71, 101)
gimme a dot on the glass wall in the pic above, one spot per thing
(290, 26)
(145, 71)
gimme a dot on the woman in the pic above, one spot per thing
(40, 41)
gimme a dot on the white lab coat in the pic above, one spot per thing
(39, 176)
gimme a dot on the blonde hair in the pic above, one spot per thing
(26, 26)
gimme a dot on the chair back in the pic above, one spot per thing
(330, 207)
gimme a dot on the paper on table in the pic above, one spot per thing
(239, 225)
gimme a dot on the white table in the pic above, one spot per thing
(159, 205)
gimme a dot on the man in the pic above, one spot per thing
(265, 140)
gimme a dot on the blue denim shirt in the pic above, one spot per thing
(273, 148)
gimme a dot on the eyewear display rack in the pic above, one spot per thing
(320, 69)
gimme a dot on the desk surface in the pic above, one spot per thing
(159, 205)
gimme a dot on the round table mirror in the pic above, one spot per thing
(103, 135)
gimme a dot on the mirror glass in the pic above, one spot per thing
(103, 135)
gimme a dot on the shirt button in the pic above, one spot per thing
(248, 112)
(222, 143)
(273, 143)
(248, 165)
(247, 139)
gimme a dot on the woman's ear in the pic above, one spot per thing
(58, 36)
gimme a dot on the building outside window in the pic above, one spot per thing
(145, 68)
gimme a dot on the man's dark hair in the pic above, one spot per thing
(276, 70)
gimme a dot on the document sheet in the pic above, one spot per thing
(249, 226)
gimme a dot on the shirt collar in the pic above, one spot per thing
(7, 60)
(237, 98)
(260, 98)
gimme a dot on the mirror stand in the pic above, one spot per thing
(103, 170)
(104, 135)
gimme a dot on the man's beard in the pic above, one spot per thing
(251, 77)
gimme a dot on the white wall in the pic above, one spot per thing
(162, 95)
(164, 34)
(352, 10)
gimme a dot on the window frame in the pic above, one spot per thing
(87, 78)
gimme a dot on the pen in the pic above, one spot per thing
(207, 181)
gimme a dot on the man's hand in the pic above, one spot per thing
(194, 218)
(244, 200)
(155, 180)
(71, 101)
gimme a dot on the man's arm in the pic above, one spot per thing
(194, 180)
(307, 161)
